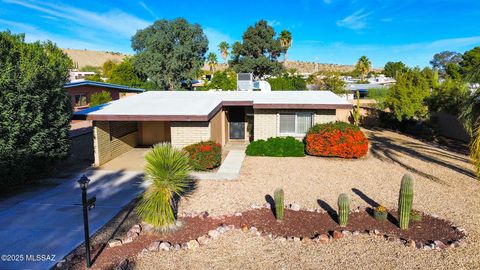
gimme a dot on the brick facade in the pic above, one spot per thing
(88, 91)
(266, 121)
(111, 139)
(186, 133)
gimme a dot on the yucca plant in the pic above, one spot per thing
(167, 168)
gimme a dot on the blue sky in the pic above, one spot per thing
(327, 31)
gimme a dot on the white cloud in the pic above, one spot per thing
(144, 6)
(273, 23)
(355, 21)
(113, 21)
(215, 37)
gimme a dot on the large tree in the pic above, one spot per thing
(363, 66)
(170, 51)
(442, 59)
(35, 110)
(124, 74)
(392, 69)
(212, 61)
(224, 47)
(286, 41)
(470, 65)
(406, 99)
(258, 52)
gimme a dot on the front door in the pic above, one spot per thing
(237, 122)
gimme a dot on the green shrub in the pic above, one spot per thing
(35, 110)
(167, 168)
(100, 98)
(276, 147)
(204, 155)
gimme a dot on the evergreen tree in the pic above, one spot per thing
(35, 110)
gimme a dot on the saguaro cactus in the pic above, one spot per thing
(343, 209)
(279, 203)
(405, 200)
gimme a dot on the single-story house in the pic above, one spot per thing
(80, 92)
(186, 117)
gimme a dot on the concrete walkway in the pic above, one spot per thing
(229, 170)
(50, 222)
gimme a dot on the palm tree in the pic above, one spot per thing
(286, 41)
(167, 168)
(212, 61)
(363, 66)
(224, 47)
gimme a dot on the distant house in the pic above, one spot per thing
(186, 117)
(75, 75)
(81, 91)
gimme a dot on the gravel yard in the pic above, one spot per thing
(444, 186)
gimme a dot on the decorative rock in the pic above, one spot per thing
(440, 245)
(60, 263)
(434, 216)
(154, 246)
(306, 240)
(296, 239)
(115, 243)
(132, 234)
(213, 233)
(455, 244)
(267, 205)
(203, 240)
(203, 215)
(323, 238)
(295, 207)
(427, 247)
(184, 245)
(222, 229)
(355, 233)
(177, 247)
(253, 230)
(123, 265)
(254, 206)
(346, 233)
(245, 228)
(419, 245)
(392, 238)
(410, 243)
(192, 244)
(136, 228)
(146, 227)
(164, 246)
(337, 235)
(127, 240)
(280, 239)
(362, 208)
(230, 227)
(374, 232)
(238, 214)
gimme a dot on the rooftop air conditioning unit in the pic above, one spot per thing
(245, 81)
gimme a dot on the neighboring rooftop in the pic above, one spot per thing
(202, 106)
(122, 88)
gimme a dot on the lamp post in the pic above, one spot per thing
(87, 204)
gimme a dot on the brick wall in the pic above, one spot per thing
(265, 121)
(88, 91)
(107, 145)
(186, 133)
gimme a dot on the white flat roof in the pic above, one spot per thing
(200, 105)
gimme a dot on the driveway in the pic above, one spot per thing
(50, 223)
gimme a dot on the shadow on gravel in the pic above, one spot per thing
(330, 211)
(373, 204)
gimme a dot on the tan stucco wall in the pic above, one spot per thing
(186, 133)
(153, 132)
(107, 147)
(217, 128)
(266, 121)
(344, 115)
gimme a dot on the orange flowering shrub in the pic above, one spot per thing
(204, 155)
(337, 139)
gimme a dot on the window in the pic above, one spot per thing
(80, 100)
(295, 123)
